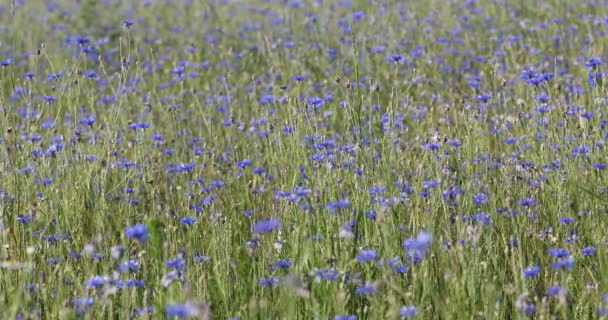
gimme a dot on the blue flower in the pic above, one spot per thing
(96, 282)
(566, 263)
(532, 271)
(244, 163)
(367, 255)
(480, 198)
(177, 263)
(269, 282)
(345, 317)
(408, 311)
(284, 263)
(530, 309)
(527, 202)
(187, 220)
(395, 58)
(127, 23)
(266, 226)
(559, 252)
(588, 251)
(83, 304)
(367, 289)
(138, 231)
(555, 290)
(24, 219)
(130, 265)
(180, 310)
(419, 246)
(339, 204)
(328, 274)
(593, 63)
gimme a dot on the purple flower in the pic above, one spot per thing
(180, 310)
(480, 198)
(244, 163)
(531, 272)
(187, 220)
(284, 263)
(559, 252)
(367, 255)
(367, 289)
(266, 226)
(269, 282)
(593, 63)
(24, 219)
(588, 251)
(138, 231)
(96, 282)
(127, 23)
(419, 246)
(408, 311)
(395, 58)
(567, 263)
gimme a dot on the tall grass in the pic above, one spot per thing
(303, 159)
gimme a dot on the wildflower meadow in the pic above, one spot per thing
(303, 159)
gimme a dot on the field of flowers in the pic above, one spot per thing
(303, 159)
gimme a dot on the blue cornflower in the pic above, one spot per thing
(338, 204)
(559, 252)
(345, 317)
(24, 219)
(177, 263)
(266, 225)
(367, 289)
(480, 198)
(49, 99)
(284, 263)
(395, 58)
(179, 310)
(483, 98)
(566, 220)
(567, 263)
(96, 282)
(527, 202)
(530, 309)
(328, 274)
(408, 311)
(244, 163)
(531, 272)
(269, 282)
(593, 63)
(542, 98)
(90, 74)
(83, 304)
(588, 251)
(371, 214)
(130, 265)
(367, 255)
(419, 246)
(259, 170)
(138, 231)
(82, 41)
(555, 290)
(187, 220)
(127, 23)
